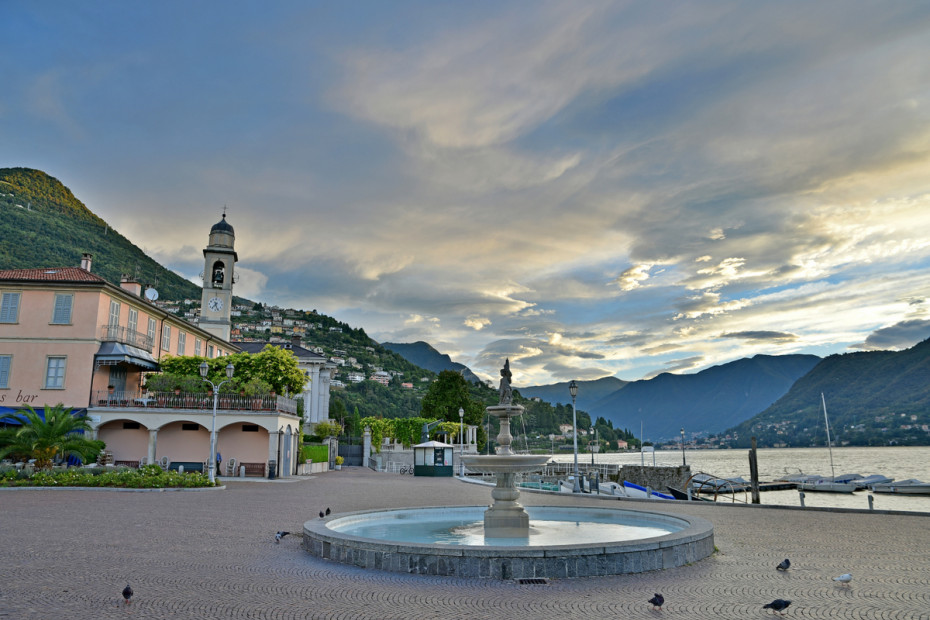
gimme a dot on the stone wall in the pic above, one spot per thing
(656, 478)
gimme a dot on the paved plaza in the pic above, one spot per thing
(67, 554)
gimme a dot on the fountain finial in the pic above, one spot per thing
(506, 394)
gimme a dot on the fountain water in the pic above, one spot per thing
(451, 540)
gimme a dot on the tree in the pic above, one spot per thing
(448, 394)
(273, 365)
(59, 434)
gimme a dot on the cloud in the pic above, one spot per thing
(477, 323)
(902, 335)
(761, 335)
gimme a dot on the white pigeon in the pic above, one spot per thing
(844, 578)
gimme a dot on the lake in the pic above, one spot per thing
(899, 463)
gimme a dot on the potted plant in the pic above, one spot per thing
(339, 462)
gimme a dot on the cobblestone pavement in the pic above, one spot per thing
(67, 554)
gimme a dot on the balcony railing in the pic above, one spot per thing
(123, 399)
(116, 333)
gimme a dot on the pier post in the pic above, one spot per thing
(754, 472)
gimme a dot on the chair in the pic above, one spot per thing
(231, 467)
(164, 462)
(143, 461)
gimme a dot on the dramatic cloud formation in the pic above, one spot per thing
(591, 189)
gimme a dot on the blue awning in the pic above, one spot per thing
(112, 353)
(12, 416)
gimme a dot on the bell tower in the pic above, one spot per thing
(219, 261)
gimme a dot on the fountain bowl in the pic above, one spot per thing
(683, 540)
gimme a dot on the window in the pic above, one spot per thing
(166, 337)
(131, 425)
(196, 346)
(62, 312)
(190, 427)
(250, 428)
(9, 307)
(133, 320)
(209, 350)
(55, 373)
(151, 331)
(182, 342)
(5, 361)
(114, 313)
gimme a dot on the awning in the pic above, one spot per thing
(112, 353)
(13, 415)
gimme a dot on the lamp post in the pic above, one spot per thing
(683, 448)
(204, 369)
(461, 441)
(573, 390)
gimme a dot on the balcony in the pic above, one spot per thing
(120, 399)
(124, 335)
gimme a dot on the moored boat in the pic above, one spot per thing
(867, 481)
(911, 486)
(827, 485)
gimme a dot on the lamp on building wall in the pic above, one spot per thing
(204, 370)
(573, 390)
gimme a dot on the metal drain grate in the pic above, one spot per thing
(533, 582)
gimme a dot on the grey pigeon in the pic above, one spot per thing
(327, 511)
(279, 536)
(322, 514)
(127, 594)
(778, 605)
(785, 565)
(657, 601)
(844, 579)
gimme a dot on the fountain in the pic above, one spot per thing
(506, 540)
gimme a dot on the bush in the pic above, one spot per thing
(146, 477)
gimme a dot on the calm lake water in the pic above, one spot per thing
(895, 462)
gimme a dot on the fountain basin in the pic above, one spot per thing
(667, 541)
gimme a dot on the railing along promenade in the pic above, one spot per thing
(266, 403)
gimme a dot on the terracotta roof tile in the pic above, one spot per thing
(55, 274)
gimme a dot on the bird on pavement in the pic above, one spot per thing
(657, 601)
(279, 536)
(778, 605)
(327, 511)
(127, 594)
(322, 514)
(845, 578)
(785, 565)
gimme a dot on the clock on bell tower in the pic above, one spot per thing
(218, 269)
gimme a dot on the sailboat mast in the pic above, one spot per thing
(829, 443)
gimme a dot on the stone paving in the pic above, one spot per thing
(67, 554)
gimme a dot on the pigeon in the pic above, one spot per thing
(785, 565)
(322, 514)
(327, 511)
(778, 605)
(127, 594)
(279, 536)
(657, 601)
(844, 579)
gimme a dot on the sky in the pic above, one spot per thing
(589, 189)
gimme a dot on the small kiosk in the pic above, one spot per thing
(432, 458)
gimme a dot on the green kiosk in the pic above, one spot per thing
(432, 458)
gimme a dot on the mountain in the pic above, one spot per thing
(425, 356)
(42, 224)
(589, 392)
(872, 397)
(705, 402)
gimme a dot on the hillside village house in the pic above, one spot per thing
(68, 336)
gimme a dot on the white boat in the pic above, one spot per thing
(833, 484)
(911, 486)
(634, 490)
(867, 481)
(705, 483)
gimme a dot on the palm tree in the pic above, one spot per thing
(60, 433)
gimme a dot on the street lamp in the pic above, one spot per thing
(683, 448)
(462, 440)
(573, 390)
(204, 369)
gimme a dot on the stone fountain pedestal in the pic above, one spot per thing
(506, 517)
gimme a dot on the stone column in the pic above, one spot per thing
(153, 442)
(273, 438)
(366, 446)
(312, 402)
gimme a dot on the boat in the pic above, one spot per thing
(911, 486)
(705, 483)
(634, 490)
(679, 494)
(867, 481)
(833, 484)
